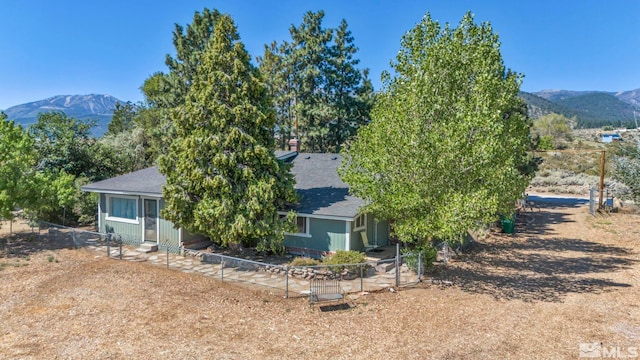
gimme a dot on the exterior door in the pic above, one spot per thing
(151, 220)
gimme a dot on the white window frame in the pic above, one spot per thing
(119, 219)
(363, 226)
(306, 228)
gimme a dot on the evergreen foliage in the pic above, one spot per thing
(316, 85)
(223, 179)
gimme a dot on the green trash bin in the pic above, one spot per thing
(508, 225)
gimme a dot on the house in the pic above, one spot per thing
(328, 218)
(611, 137)
(129, 205)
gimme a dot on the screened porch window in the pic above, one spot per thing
(122, 209)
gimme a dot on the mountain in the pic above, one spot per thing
(632, 97)
(592, 109)
(538, 106)
(93, 106)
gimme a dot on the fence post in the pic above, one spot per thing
(419, 266)
(361, 281)
(73, 237)
(397, 264)
(120, 249)
(222, 269)
(286, 281)
(167, 256)
(108, 245)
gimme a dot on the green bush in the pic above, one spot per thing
(546, 143)
(342, 257)
(427, 254)
(304, 261)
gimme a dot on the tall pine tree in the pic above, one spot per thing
(223, 179)
(167, 91)
(317, 88)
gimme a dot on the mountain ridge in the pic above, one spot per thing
(591, 109)
(97, 107)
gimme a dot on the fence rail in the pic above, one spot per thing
(292, 281)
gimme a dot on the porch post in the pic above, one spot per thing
(347, 237)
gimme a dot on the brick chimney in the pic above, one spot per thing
(294, 145)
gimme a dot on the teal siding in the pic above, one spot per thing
(326, 235)
(383, 233)
(128, 230)
(168, 234)
(377, 233)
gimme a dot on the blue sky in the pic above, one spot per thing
(109, 47)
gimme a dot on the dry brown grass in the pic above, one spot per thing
(564, 278)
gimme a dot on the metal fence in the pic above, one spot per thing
(291, 281)
(607, 205)
(593, 201)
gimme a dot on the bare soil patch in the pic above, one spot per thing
(564, 278)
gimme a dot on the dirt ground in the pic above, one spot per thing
(563, 279)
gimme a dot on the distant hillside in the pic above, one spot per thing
(601, 108)
(96, 107)
(538, 106)
(592, 109)
(632, 97)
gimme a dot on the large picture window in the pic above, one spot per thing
(122, 209)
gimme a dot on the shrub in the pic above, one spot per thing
(342, 257)
(346, 257)
(428, 254)
(304, 261)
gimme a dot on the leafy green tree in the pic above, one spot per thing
(17, 157)
(446, 151)
(223, 179)
(316, 86)
(63, 143)
(52, 196)
(554, 131)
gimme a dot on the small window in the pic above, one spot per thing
(122, 209)
(301, 222)
(360, 222)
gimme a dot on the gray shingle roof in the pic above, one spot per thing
(147, 181)
(320, 188)
(317, 182)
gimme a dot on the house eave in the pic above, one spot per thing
(320, 216)
(122, 192)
